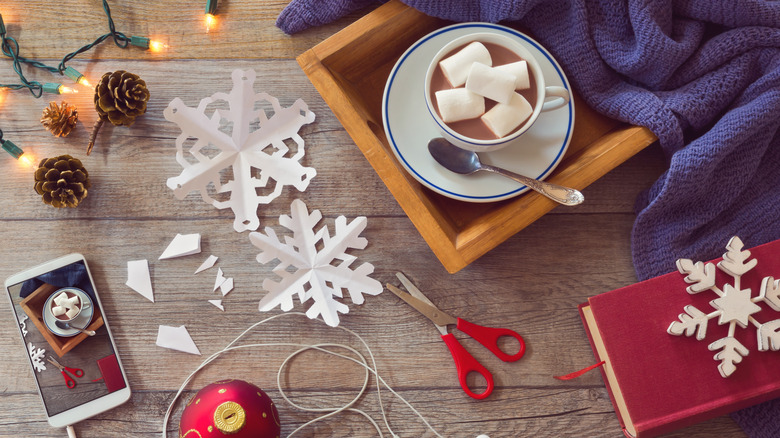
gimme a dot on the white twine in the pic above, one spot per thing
(372, 369)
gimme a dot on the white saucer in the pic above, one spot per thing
(81, 321)
(409, 127)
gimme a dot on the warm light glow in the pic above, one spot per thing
(211, 21)
(156, 46)
(66, 90)
(27, 160)
(83, 81)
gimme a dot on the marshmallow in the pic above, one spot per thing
(61, 298)
(494, 84)
(72, 302)
(57, 311)
(456, 67)
(504, 118)
(71, 313)
(459, 104)
(518, 69)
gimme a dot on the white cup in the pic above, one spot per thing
(82, 304)
(558, 96)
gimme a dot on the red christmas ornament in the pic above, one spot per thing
(230, 408)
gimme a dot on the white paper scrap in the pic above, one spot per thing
(218, 303)
(138, 278)
(207, 264)
(176, 338)
(182, 245)
(226, 286)
(220, 279)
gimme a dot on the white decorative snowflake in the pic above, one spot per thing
(734, 306)
(320, 275)
(37, 355)
(245, 139)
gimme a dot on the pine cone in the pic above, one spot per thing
(62, 181)
(120, 97)
(60, 120)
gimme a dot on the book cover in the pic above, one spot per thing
(660, 382)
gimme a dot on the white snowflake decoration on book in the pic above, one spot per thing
(734, 306)
(312, 274)
(36, 356)
(242, 138)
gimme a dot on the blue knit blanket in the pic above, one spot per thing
(702, 75)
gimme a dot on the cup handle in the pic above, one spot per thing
(560, 97)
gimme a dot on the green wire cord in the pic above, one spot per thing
(10, 48)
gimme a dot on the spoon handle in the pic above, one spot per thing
(86, 332)
(560, 194)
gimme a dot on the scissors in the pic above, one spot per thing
(69, 382)
(464, 362)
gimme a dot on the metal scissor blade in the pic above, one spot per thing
(430, 311)
(413, 289)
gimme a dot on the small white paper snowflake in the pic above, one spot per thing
(242, 138)
(37, 355)
(734, 306)
(320, 275)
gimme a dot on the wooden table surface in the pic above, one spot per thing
(532, 283)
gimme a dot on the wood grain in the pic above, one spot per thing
(531, 283)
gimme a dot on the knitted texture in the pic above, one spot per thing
(702, 75)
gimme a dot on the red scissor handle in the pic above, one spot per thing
(75, 371)
(488, 336)
(69, 382)
(465, 364)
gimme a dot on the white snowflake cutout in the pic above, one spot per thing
(320, 275)
(37, 355)
(734, 306)
(247, 141)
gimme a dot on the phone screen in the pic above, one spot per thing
(90, 368)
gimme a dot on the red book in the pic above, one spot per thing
(659, 382)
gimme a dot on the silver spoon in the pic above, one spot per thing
(466, 162)
(64, 325)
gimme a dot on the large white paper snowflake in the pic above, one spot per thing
(734, 306)
(37, 355)
(311, 273)
(245, 139)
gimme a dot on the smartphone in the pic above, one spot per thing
(67, 339)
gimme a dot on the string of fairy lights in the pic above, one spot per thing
(10, 49)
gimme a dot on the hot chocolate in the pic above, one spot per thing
(475, 127)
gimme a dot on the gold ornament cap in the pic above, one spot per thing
(229, 417)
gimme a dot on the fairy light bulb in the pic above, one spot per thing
(24, 159)
(146, 43)
(53, 88)
(76, 76)
(211, 22)
(211, 12)
(157, 46)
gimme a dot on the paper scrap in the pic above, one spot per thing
(138, 278)
(182, 245)
(226, 286)
(207, 264)
(218, 303)
(220, 279)
(176, 338)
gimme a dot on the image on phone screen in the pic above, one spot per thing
(76, 368)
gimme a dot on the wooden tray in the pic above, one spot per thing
(33, 305)
(350, 70)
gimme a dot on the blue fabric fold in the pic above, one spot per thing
(702, 75)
